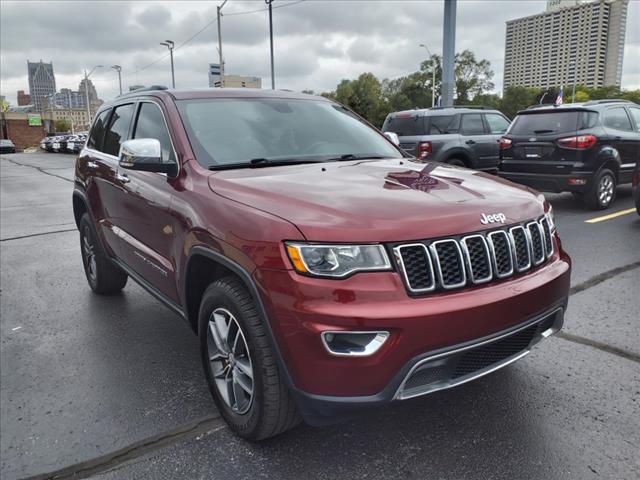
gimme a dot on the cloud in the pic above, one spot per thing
(316, 43)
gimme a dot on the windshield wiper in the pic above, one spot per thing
(261, 162)
(353, 156)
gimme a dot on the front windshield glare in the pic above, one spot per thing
(236, 130)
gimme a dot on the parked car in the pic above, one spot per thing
(7, 146)
(584, 148)
(323, 268)
(461, 136)
(76, 142)
(636, 186)
(59, 144)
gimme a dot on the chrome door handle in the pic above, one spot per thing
(92, 164)
(122, 177)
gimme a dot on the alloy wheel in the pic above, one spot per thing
(231, 365)
(605, 189)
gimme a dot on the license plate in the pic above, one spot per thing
(533, 152)
(56, 145)
(70, 145)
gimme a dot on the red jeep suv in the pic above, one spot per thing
(323, 269)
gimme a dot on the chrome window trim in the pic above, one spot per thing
(527, 242)
(434, 251)
(398, 254)
(548, 252)
(539, 228)
(493, 253)
(465, 250)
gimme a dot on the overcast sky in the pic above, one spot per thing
(317, 43)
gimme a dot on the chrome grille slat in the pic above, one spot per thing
(474, 259)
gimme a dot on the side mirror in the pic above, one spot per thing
(145, 154)
(393, 137)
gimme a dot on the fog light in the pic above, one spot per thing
(353, 344)
(577, 181)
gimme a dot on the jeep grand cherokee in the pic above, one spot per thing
(323, 269)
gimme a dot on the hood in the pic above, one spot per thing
(378, 201)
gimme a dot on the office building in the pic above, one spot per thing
(23, 98)
(572, 41)
(42, 82)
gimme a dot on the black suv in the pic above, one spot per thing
(462, 136)
(584, 148)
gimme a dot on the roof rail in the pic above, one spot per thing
(145, 89)
(607, 100)
(542, 105)
(476, 107)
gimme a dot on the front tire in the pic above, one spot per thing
(456, 162)
(102, 274)
(602, 191)
(239, 364)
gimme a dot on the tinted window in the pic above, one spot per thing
(97, 131)
(497, 123)
(236, 130)
(150, 124)
(589, 120)
(118, 129)
(440, 124)
(635, 113)
(541, 123)
(617, 119)
(472, 124)
(405, 126)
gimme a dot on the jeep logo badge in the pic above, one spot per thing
(495, 218)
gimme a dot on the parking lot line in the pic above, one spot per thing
(610, 216)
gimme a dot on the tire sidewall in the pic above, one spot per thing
(215, 296)
(605, 172)
(85, 225)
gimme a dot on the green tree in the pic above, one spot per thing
(363, 96)
(488, 100)
(631, 95)
(516, 98)
(472, 77)
(62, 125)
(308, 92)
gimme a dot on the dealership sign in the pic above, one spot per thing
(35, 120)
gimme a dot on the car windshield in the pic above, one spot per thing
(234, 131)
(542, 123)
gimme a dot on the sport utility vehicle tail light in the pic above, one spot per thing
(580, 142)
(505, 143)
(424, 150)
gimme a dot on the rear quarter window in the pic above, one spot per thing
(548, 122)
(440, 124)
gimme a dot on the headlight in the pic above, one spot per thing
(337, 260)
(551, 218)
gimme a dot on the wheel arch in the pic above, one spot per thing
(80, 206)
(460, 154)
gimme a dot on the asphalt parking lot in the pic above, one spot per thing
(112, 387)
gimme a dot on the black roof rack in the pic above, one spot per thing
(145, 89)
(476, 107)
(607, 100)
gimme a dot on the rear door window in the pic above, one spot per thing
(635, 113)
(472, 124)
(545, 123)
(97, 131)
(440, 124)
(617, 119)
(118, 129)
(405, 126)
(497, 123)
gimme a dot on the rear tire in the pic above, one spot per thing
(456, 162)
(602, 192)
(239, 364)
(103, 275)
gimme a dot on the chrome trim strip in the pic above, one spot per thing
(527, 242)
(493, 253)
(434, 251)
(398, 253)
(487, 255)
(372, 347)
(548, 251)
(539, 228)
(482, 372)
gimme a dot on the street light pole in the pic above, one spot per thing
(118, 69)
(448, 52)
(221, 60)
(273, 81)
(433, 82)
(86, 92)
(169, 45)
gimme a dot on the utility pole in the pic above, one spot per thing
(433, 82)
(118, 69)
(273, 81)
(221, 60)
(169, 44)
(86, 92)
(70, 111)
(448, 52)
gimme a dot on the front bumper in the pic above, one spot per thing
(545, 182)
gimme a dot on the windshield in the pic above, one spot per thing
(540, 123)
(228, 131)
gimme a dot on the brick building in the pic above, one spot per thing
(23, 98)
(15, 126)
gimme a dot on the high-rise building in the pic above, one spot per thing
(42, 81)
(67, 98)
(23, 98)
(572, 41)
(93, 95)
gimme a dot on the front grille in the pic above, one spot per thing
(455, 262)
(483, 357)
